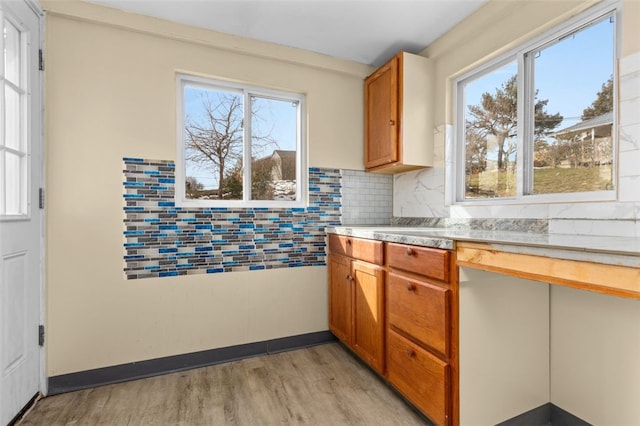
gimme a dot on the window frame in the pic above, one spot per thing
(24, 150)
(526, 91)
(184, 79)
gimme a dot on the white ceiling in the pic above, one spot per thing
(365, 31)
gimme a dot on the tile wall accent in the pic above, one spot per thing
(164, 240)
(421, 193)
(367, 198)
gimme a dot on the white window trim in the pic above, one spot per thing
(247, 91)
(456, 175)
(24, 151)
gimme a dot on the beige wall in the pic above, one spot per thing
(110, 93)
(595, 348)
(504, 347)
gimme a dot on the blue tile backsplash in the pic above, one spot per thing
(164, 240)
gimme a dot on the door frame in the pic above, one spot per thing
(37, 9)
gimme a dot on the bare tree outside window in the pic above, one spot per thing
(215, 142)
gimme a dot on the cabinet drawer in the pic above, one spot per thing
(358, 248)
(421, 310)
(423, 378)
(425, 261)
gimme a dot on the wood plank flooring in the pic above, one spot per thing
(320, 385)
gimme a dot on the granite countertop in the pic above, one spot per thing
(601, 249)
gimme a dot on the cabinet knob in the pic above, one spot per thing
(392, 122)
(348, 242)
(411, 286)
(411, 353)
(349, 277)
(410, 251)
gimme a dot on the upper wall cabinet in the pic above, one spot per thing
(399, 115)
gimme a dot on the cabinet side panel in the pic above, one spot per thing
(417, 110)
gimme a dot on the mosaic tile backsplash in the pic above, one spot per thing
(164, 240)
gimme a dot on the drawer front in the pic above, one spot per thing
(423, 378)
(421, 310)
(358, 248)
(425, 261)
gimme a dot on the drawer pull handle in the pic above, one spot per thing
(410, 251)
(411, 287)
(411, 353)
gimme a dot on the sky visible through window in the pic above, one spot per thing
(569, 74)
(274, 118)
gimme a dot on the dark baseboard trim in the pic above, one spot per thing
(562, 417)
(171, 364)
(545, 415)
(536, 417)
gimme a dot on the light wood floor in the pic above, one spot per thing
(321, 385)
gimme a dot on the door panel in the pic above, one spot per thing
(20, 216)
(340, 310)
(368, 331)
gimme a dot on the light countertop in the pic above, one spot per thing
(601, 249)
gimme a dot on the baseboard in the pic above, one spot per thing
(562, 417)
(545, 415)
(155, 367)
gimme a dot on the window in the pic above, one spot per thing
(13, 135)
(539, 123)
(239, 145)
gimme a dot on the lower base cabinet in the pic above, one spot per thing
(356, 297)
(398, 312)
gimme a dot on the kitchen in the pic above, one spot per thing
(110, 93)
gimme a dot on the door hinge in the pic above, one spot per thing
(41, 335)
(40, 60)
(41, 197)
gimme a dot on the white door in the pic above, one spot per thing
(20, 216)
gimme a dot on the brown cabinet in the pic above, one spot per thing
(396, 307)
(421, 355)
(356, 296)
(399, 115)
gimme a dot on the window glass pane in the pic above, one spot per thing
(490, 141)
(213, 143)
(11, 53)
(13, 182)
(573, 145)
(12, 119)
(274, 133)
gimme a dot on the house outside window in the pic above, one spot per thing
(239, 146)
(538, 124)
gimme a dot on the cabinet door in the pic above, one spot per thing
(368, 305)
(381, 116)
(340, 299)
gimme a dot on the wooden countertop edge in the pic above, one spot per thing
(616, 280)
